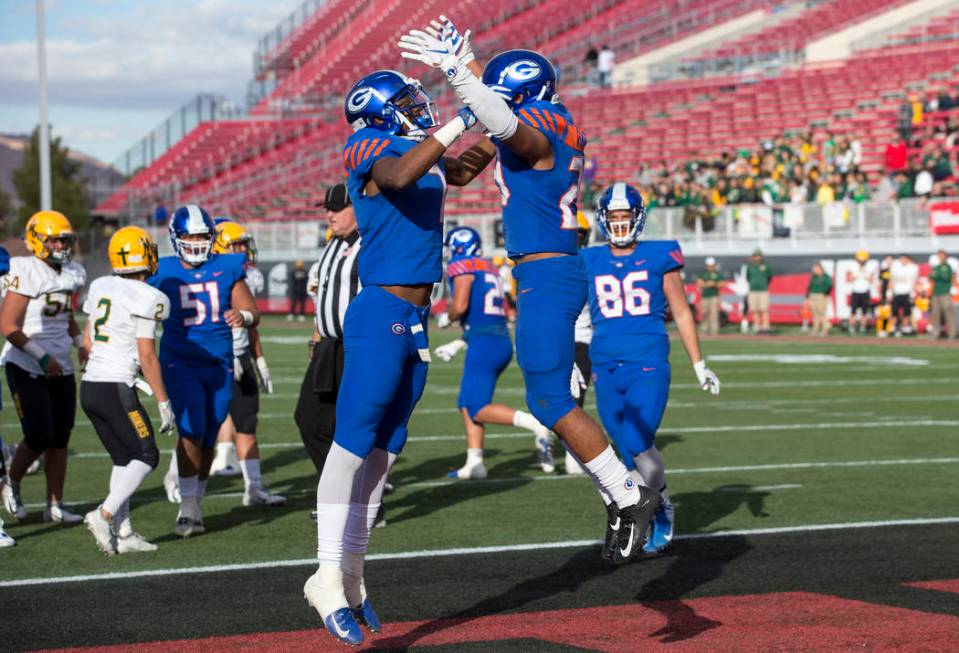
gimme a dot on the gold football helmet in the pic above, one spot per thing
(232, 238)
(132, 249)
(49, 235)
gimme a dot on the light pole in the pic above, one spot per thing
(46, 200)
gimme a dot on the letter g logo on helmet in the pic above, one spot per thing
(360, 98)
(523, 70)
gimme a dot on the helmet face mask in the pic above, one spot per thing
(191, 234)
(621, 214)
(393, 103)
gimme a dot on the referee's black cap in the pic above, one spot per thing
(337, 198)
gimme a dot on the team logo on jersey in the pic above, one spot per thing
(629, 483)
(398, 329)
(360, 98)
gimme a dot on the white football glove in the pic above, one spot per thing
(430, 48)
(708, 381)
(460, 45)
(166, 416)
(577, 382)
(140, 384)
(448, 351)
(443, 320)
(266, 379)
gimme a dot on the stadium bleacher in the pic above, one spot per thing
(272, 168)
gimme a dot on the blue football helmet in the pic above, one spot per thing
(621, 197)
(463, 242)
(220, 219)
(4, 261)
(391, 102)
(191, 220)
(521, 76)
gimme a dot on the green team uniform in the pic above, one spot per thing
(758, 275)
(707, 277)
(941, 277)
(819, 284)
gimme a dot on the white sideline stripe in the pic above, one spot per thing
(438, 553)
(561, 477)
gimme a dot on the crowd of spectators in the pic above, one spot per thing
(921, 162)
(791, 168)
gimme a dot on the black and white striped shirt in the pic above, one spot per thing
(339, 282)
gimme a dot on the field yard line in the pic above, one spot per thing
(814, 426)
(511, 548)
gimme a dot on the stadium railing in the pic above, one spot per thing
(744, 224)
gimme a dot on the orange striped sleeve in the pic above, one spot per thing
(547, 119)
(382, 146)
(369, 149)
(529, 119)
(352, 155)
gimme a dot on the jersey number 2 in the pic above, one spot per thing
(189, 299)
(616, 297)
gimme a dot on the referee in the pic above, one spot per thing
(337, 284)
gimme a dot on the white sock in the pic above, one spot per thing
(353, 585)
(609, 473)
(650, 466)
(333, 494)
(526, 421)
(223, 450)
(251, 471)
(174, 467)
(188, 486)
(127, 482)
(356, 535)
(201, 487)
(474, 457)
(124, 526)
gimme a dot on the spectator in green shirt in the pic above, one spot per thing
(758, 276)
(817, 296)
(709, 283)
(943, 310)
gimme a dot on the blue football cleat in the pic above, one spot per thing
(366, 615)
(343, 627)
(661, 528)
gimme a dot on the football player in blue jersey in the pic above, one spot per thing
(397, 176)
(208, 297)
(477, 303)
(540, 159)
(632, 284)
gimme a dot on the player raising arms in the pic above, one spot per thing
(208, 297)
(478, 304)
(249, 371)
(397, 177)
(120, 335)
(541, 157)
(632, 283)
(37, 321)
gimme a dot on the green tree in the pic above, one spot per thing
(69, 193)
(6, 212)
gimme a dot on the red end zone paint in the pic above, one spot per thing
(951, 586)
(794, 620)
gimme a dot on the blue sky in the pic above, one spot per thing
(117, 68)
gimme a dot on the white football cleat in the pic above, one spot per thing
(5, 540)
(225, 463)
(11, 499)
(171, 486)
(134, 543)
(189, 520)
(544, 453)
(102, 531)
(258, 495)
(56, 513)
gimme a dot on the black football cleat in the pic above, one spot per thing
(634, 524)
(612, 531)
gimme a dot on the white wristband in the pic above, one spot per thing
(247, 318)
(488, 107)
(34, 350)
(448, 133)
(78, 341)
